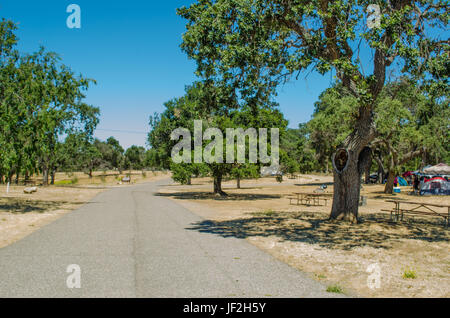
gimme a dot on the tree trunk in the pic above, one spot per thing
(346, 192)
(218, 186)
(389, 187)
(238, 182)
(424, 160)
(189, 182)
(381, 174)
(27, 177)
(367, 175)
(17, 177)
(52, 177)
(347, 180)
(45, 176)
(9, 178)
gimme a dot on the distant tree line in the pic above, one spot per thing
(77, 153)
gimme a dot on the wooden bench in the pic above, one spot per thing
(308, 198)
(418, 208)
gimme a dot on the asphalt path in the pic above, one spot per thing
(129, 242)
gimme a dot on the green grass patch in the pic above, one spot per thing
(269, 213)
(74, 180)
(63, 182)
(335, 289)
(409, 273)
(321, 276)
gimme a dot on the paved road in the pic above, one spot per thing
(130, 243)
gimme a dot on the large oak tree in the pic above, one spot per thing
(254, 45)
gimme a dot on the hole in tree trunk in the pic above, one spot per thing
(340, 160)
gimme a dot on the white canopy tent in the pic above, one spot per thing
(439, 169)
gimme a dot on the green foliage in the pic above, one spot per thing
(181, 172)
(253, 46)
(222, 112)
(407, 120)
(40, 100)
(257, 44)
(297, 154)
(135, 158)
(332, 121)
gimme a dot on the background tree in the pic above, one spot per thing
(402, 132)
(254, 44)
(223, 112)
(332, 121)
(299, 151)
(117, 158)
(135, 158)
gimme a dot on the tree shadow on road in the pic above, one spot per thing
(313, 228)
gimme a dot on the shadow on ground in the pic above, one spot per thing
(313, 228)
(318, 184)
(211, 196)
(21, 206)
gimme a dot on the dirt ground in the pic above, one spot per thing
(335, 253)
(21, 214)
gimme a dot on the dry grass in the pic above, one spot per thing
(335, 253)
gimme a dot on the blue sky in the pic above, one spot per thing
(132, 49)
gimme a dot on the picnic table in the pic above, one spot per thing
(309, 198)
(429, 209)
